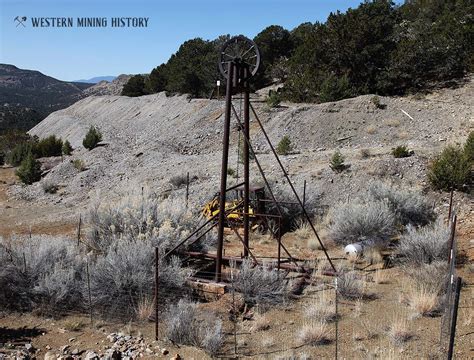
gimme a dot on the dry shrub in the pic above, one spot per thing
(315, 333)
(353, 222)
(410, 207)
(260, 323)
(121, 277)
(260, 284)
(398, 331)
(351, 286)
(424, 245)
(140, 216)
(322, 309)
(186, 325)
(41, 273)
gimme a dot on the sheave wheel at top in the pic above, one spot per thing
(240, 50)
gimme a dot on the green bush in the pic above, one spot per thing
(401, 152)
(450, 170)
(335, 88)
(337, 162)
(50, 146)
(376, 101)
(241, 151)
(19, 153)
(273, 100)
(469, 147)
(67, 148)
(79, 164)
(29, 170)
(231, 172)
(284, 147)
(93, 137)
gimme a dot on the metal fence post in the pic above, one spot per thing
(89, 290)
(156, 291)
(454, 318)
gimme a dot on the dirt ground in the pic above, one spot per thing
(22, 217)
(361, 329)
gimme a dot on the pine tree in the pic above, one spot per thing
(67, 148)
(93, 137)
(29, 170)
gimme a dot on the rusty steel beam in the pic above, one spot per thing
(292, 187)
(238, 259)
(246, 163)
(225, 161)
(264, 179)
(245, 245)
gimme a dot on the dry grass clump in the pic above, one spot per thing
(302, 229)
(313, 244)
(322, 308)
(260, 323)
(366, 330)
(350, 286)
(380, 277)
(74, 325)
(145, 308)
(432, 276)
(422, 301)
(371, 130)
(373, 255)
(315, 333)
(398, 331)
(364, 153)
(392, 122)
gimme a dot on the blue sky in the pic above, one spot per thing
(82, 53)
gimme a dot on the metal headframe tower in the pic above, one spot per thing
(239, 60)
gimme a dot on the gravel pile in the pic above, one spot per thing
(148, 140)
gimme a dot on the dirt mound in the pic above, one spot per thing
(151, 138)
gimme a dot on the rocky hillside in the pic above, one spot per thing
(104, 87)
(149, 139)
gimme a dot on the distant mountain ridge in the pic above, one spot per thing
(29, 96)
(97, 79)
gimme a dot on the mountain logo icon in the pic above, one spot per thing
(20, 20)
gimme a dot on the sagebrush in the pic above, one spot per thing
(410, 207)
(373, 223)
(424, 245)
(260, 284)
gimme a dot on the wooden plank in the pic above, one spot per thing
(207, 286)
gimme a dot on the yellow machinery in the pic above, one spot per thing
(235, 217)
